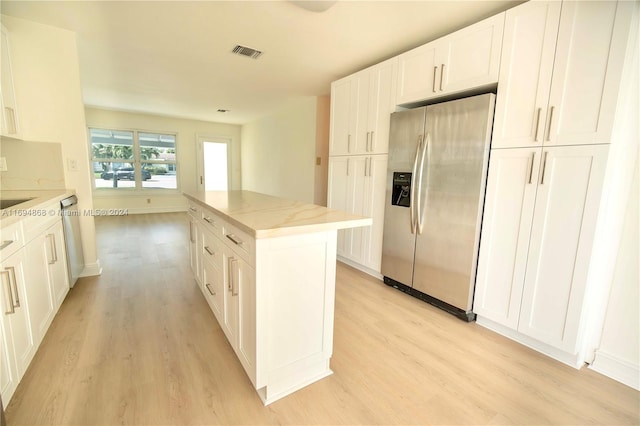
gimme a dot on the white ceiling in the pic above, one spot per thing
(174, 57)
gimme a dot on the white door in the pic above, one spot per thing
(588, 65)
(340, 193)
(566, 209)
(244, 283)
(506, 228)
(343, 109)
(374, 196)
(38, 293)
(214, 163)
(470, 57)
(381, 103)
(230, 314)
(417, 73)
(525, 74)
(357, 180)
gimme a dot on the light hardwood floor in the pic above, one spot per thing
(139, 345)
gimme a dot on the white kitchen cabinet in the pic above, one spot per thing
(560, 73)
(537, 234)
(360, 109)
(212, 273)
(8, 374)
(38, 292)
(9, 125)
(464, 60)
(16, 326)
(506, 228)
(357, 186)
(57, 264)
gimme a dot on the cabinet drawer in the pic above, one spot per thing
(241, 243)
(212, 223)
(11, 240)
(46, 216)
(194, 210)
(211, 249)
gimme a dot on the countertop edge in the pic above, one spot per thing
(41, 198)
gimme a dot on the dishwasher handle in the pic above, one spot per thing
(68, 202)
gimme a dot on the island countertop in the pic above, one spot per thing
(264, 216)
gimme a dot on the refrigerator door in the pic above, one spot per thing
(406, 129)
(452, 195)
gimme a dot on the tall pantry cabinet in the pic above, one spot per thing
(361, 105)
(557, 93)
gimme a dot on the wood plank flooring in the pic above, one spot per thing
(139, 346)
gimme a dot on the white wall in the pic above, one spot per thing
(323, 115)
(50, 109)
(187, 131)
(279, 151)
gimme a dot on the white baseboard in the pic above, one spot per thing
(147, 210)
(572, 360)
(360, 267)
(91, 269)
(616, 368)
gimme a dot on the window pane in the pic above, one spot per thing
(111, 144)
(105, 171)
(155, 175)
(158, 147)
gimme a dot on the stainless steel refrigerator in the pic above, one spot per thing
(436, 177)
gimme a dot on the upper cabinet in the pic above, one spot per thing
(361, 105)
(9, 120)
(464, 60)
(560, 73)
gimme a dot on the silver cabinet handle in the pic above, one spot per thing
(435, 71)
(12, 127)
(535, 138)
(544, 167)
(533, 157)
(208, 286)
(192, 209)
(229, 274)
(367, 144)
(191, 232)
(14, 284)
(55, 248)
(441, 76)
(234, 269)
(372, 142)
(52, 249)
(8, 310)
(349, 144)
(209, 220)
(548, 137)
(412, 191)
(6, 244)
(235, 239)
(347, 166)
(208, 250)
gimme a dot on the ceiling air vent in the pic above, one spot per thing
(247, 51)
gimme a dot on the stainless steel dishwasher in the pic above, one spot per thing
(73, 242)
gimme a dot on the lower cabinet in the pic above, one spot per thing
(357, 185)
(41, 310)
(57, 261)
(18, 343)
(539, 220)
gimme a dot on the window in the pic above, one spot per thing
(133, 159)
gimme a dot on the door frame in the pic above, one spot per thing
(200, 140)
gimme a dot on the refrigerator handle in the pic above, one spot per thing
(418, 212)
(412, 192)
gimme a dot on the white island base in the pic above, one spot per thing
(267, 268)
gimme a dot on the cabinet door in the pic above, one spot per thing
(589, 57)
(525, 74)
(417, 72)
(244, 283)
(566, 208)
(195, 237)
(344, 98)
(374, 196)
(213, 287)
(339, 197)
(506, 228)
(8, 373)
(381, 103)
(38, 292)
(9, 123)
(230, 305)
(58, 272)
(12, 279)
(357, 180)
(470, 57)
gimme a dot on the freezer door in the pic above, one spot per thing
(406, 128)
(452, 195)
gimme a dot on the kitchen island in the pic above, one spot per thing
(266, 266)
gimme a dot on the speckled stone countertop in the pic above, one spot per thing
(264, 216)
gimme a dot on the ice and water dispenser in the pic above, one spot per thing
(401, 189)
